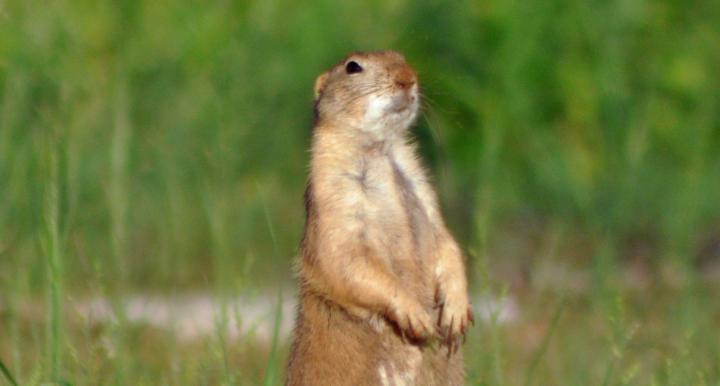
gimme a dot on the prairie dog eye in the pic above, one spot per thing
(353, 67)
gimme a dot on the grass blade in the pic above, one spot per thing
(7, 374)
(545, 343)
(52, 249)
(271, 368)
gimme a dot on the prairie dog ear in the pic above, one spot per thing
(320, 84)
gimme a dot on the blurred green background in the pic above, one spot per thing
(162, 147)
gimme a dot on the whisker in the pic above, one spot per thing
(366, 93)
(431, 104)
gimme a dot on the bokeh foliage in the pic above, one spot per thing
(162, 145)
(602, 115)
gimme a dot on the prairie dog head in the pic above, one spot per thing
(375, 92)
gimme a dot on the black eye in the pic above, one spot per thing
(353, 68)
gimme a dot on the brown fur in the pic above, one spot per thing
(383, 294)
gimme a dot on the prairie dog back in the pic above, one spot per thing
(380, 275)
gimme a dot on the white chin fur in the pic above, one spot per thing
(377, 107)
(382, 113)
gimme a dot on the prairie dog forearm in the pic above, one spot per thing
(450, 268)
(358, 282)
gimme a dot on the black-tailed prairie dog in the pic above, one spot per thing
(383, 293)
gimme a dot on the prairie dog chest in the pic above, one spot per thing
(390, 198)
(378, 179)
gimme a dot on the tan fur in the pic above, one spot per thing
(382, 280)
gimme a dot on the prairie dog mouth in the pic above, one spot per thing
(403, 101)
(398, 105)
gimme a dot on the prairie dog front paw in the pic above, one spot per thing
(412, 318)
(455, 316)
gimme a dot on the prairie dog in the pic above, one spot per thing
(381, 278)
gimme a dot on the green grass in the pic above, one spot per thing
(53, 252)
(161, 148)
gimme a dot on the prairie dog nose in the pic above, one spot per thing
(405, 77)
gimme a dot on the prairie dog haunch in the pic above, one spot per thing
(380, 275)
